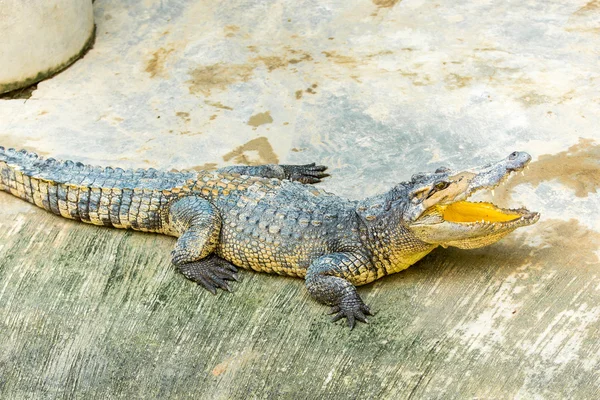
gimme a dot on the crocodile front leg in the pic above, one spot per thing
(211, 273)
(308, 173)
(328, 281)
(199, 225)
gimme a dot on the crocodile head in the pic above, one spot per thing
(439, 212)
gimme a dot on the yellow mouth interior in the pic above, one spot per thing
(464, 211)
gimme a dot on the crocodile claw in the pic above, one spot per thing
(211, 273)
(351, 308)
(308, 173)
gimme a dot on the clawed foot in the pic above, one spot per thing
(211, 273)
(309, 173)
(352, 308)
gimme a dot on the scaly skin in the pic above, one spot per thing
(267, 218)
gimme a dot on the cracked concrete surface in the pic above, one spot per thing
(377, 90)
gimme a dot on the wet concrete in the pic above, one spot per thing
(376, 90)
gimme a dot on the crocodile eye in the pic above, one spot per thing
(441, 185)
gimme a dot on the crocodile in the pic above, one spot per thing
(270, 218)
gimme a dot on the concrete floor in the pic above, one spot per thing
(376, 90)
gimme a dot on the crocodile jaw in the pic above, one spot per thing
(460, 223)
(469, 225)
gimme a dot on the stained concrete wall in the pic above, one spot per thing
(376, 90)
(40, 38)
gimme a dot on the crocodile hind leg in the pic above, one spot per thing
(328, 281)
(199, 225)
(308, 173)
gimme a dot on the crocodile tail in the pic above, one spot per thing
(12, 156)
(101, 196)
(16, 169)
(11, 163)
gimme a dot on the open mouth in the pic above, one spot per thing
(466, 212)
(447, 205)
(470, 212)
(450, 217)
